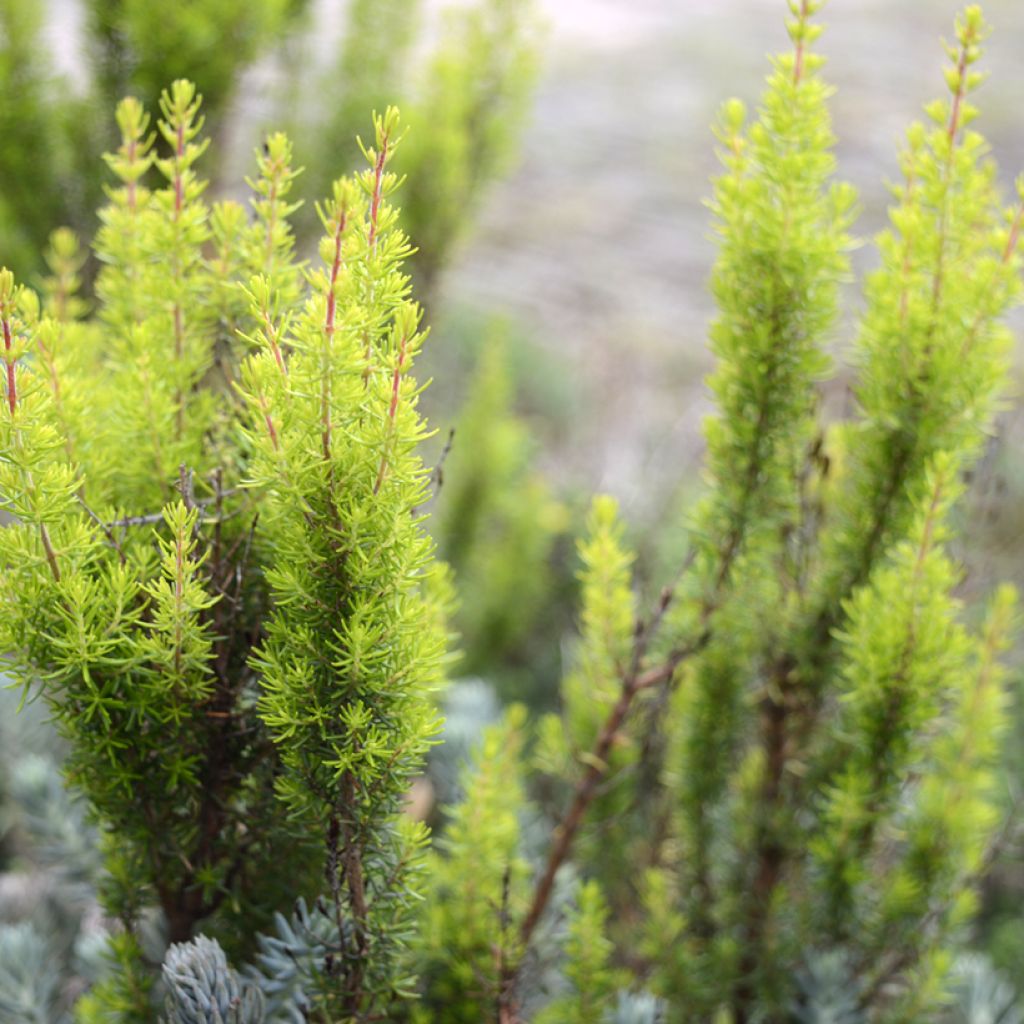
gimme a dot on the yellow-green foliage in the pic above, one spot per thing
(862, 611)
(46, 155)
(467, 94)
(817, 781)
(217, 577)
(593, 981)
(215, 574)
(137, 45)
(49, 163)
(477, 887)
(607, 620)
(590, 689)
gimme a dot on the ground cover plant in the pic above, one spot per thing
(768, 798)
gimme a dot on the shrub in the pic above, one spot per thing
(777, 784)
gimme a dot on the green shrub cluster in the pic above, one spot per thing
(769, 798)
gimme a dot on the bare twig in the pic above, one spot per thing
(151, 518)
(437, 473)
(185, 488)
(107, 530)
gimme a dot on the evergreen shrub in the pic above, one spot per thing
(768, 798)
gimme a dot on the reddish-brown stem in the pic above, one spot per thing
(12, 384)
(12, 402)
(573, 819)
(58, 403)
(1014, 236)
(179, 331)
(329, 328)
(271, 224)
(51, 555)
(130, 187)
(396, 381)
(335, 268)
(505, 965)
(378, 183)
(347, 857)
(961, 92)
(1008, 251)
(951, 132)
(597, 766)
(270, 430)
(179, 184)
(272, 341)
(798, 61)
(907, 254)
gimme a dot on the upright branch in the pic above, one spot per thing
(783, 223)
(335, 223)
(8, 297)
(180, 126)
(614, 657)
(355, 642)
(11, 297)
(272, 250)
(912, 401)
(802, 32)
(379, 159)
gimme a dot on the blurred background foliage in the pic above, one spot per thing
(470, 69)
(555, 164)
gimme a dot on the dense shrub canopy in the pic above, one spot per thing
(768, 798)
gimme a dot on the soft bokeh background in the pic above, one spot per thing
(597, 247)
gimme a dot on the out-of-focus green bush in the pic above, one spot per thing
(497, 524)
(472, 87)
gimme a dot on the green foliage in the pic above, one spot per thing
(593, 981)
(779, 785)
(473, 93)
(466, 94)
(905, 652)
(40, 161)
(245, 694)
(589, 693)
(333, 437)
(931, 350)
(53, 140)
(816, 729)
(138, 46)
(466, 120)
(371, 71)
(497, 524)
(477, 880)
(125, 992)
(607, 623)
